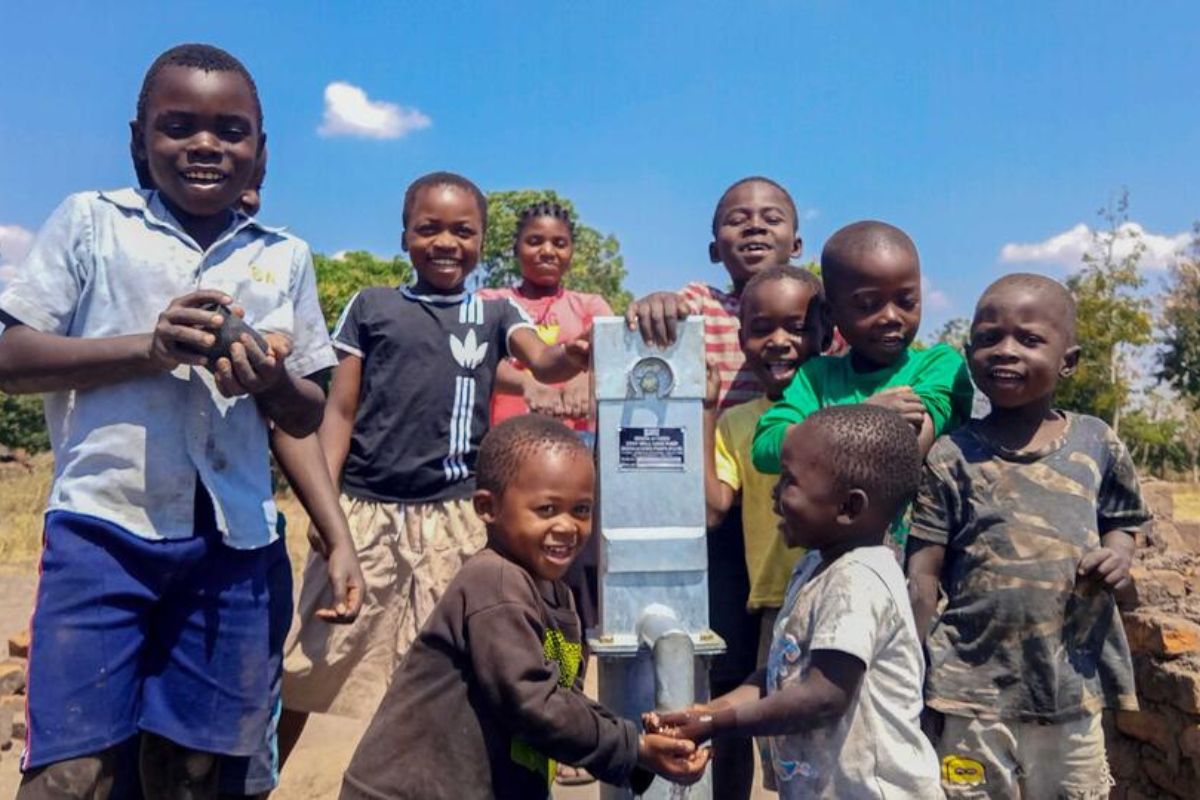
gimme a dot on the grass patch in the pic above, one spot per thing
(23, 493)
(1186, 504)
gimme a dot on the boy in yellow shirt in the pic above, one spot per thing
(782, 325)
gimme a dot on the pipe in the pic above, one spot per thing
(673, 655)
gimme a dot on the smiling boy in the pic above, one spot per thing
(162, 482)
(489, 695)
(1026, 519)
(840, 697)
(872, 276)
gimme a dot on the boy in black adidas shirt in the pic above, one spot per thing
(407, 409)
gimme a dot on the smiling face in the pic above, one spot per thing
(876, 305)
(544, 250)
(780, 330)
(755, 228)
(1020, 346)
(443, 235)
(543, 517)
(199, 140)
(807, 499)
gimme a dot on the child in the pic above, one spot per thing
(487, 697)
(303, 464)
(161, 469)
(1026, 519)
(841, 695)
(872, 277)
(782, 326)
(754, 227)
(407, 408)
(544, 245)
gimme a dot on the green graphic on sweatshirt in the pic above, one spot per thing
(569, 657)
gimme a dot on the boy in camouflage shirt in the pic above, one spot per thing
(1026, 518)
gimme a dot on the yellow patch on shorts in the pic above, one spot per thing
(962, 771)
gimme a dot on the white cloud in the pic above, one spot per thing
(14, 244)
(931, 298)
(1068, 248)
(349, 112)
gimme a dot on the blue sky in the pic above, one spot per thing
(971, 125)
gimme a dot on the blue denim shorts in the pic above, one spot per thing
(181, 638)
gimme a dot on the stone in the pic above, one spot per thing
(1160, 497)
(18, 725)
(12, 676)
(18, 644)
(1164, 535)
(1146, 726)
(1161, 634)
(12, 702)
(1124, 757)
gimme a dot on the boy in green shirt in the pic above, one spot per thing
(872, 276)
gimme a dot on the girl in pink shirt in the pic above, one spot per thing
(545, 243)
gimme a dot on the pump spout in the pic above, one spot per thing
(674, 657)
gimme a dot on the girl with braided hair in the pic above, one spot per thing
(544, 245)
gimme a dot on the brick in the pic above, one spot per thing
(12, 676)
(1176, 685)
(1164, 778)
(1124, 757)
(18, 645)
(1161, 634)
(1146, 726)
(1158, 586)
(1189, 742)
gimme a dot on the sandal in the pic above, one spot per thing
(573, 776)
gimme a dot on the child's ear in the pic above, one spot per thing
(854, 505)
(714, 255)
(137, 140)
(797, 247)
(485, 505)
(1070, 362)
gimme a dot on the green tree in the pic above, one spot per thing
(339, 277)
(1111, 318)
(1179, 359)
(597, 266)
(955, 333)
(22, 424)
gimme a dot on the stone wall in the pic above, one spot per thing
(1155, 752)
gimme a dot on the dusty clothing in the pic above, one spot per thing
(858, 605)
(1019, 638)
(409, 554)
(1001, 760)
(487, 696)
(429, 362)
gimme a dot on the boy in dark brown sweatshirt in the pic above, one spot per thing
(488, 698)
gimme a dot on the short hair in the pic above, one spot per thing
(1048, 291)
(850, 243)
(716, 220)
(506, 447)
(543, 208)
(197, 56)
(784, 272)
(871, 448)
(432, 179)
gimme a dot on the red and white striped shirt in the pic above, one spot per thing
(721, 323)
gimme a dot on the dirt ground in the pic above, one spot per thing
(315, 769)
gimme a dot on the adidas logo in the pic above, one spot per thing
(467, 352)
